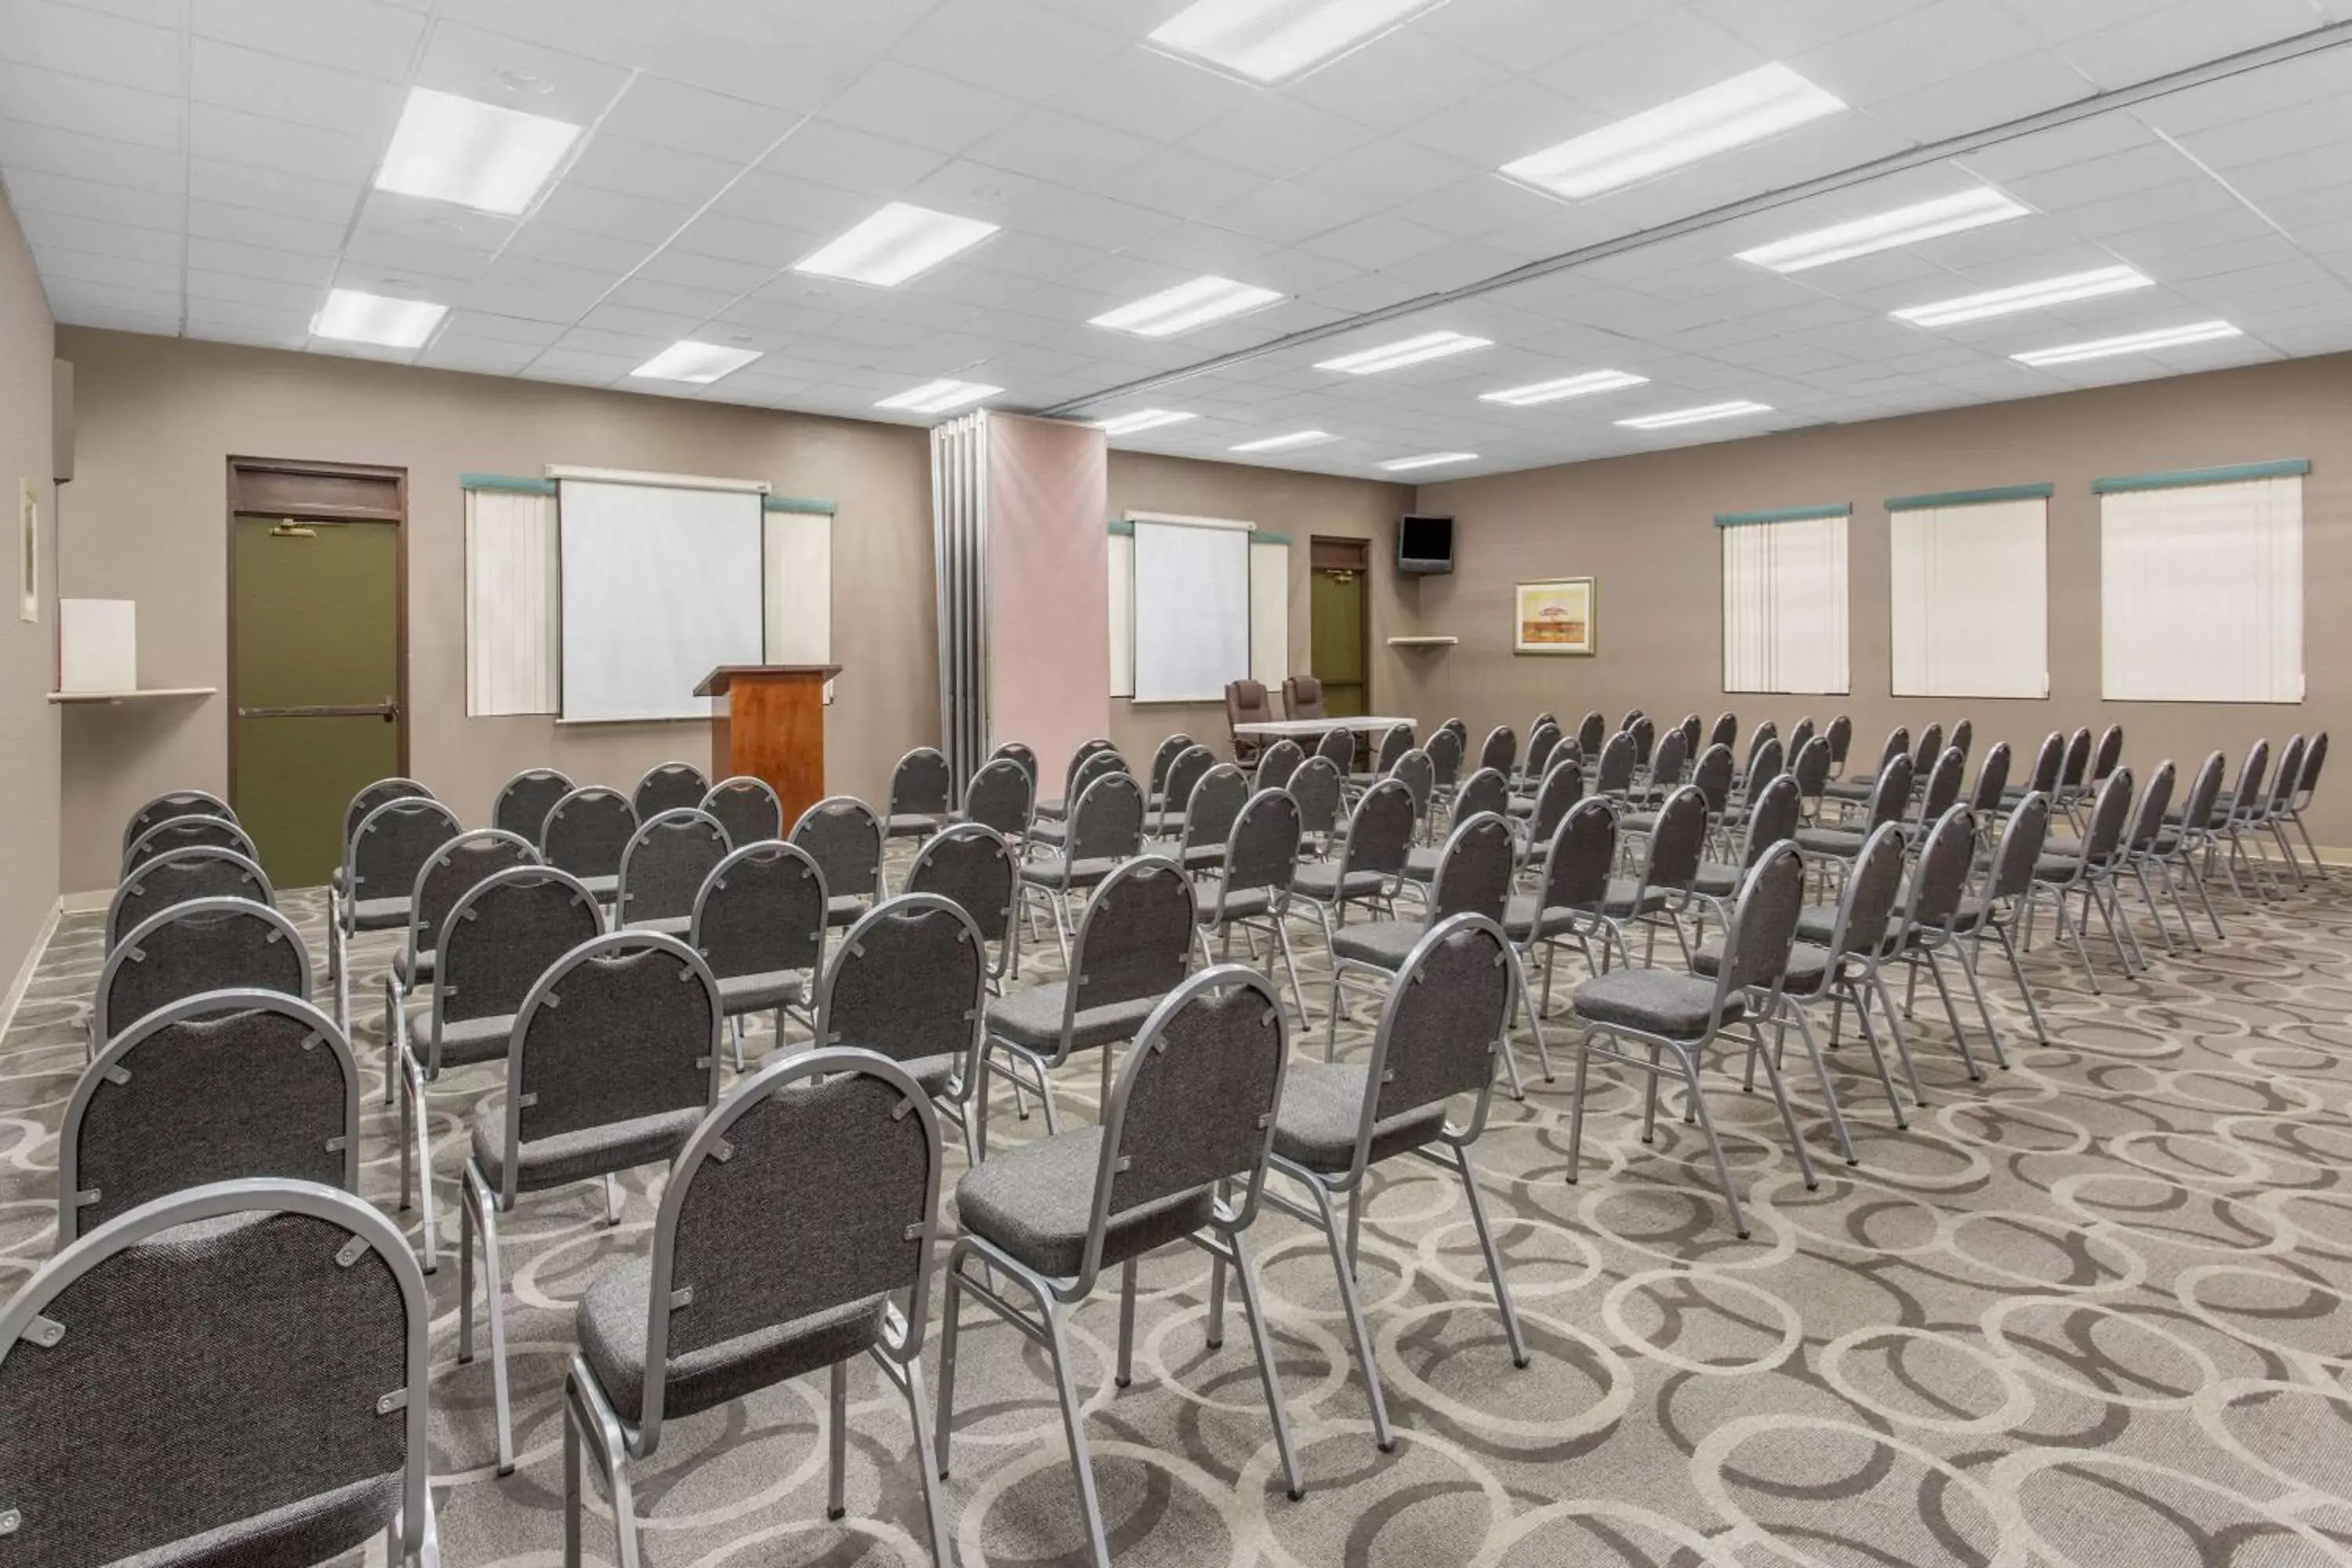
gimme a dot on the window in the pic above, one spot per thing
(1970, 601)
(2201, 585)
(1784, 610)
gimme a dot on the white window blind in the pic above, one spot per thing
(514, 653)
(799, 598)
(1969, 606)
(1784, 603)
(2201, 590)
(1269, 609)
(1122, 613)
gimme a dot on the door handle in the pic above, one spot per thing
(388, 710)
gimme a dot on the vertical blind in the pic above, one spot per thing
(1784, 604)
(513, 645)
(2202, 591)
(1970, 597)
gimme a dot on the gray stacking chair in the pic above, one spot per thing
(1132, 948)
(1929, 747)
(1667, 767)
(844, 836)
(796, 1230)
(1682, 1015)
(999, 798)
(587, 833)
(1664, 888)
(1371, 859)
(1768, 730)
(2263, 818)
(1645, 730)
(2140, 853)
(923, 792)
(909, 982)
(2088, 868)
(1841, 955)
(1859, 791)
(1839, 732)
(1543, 740)
(1725, 732)
(524, 801)
(1593, 732)
(978, 870)
(2072, 769)
(758, 922)
(1279, 762)
(2186, 837)
(1890, 793)
(1445, 754)
(1770, 817)
(1613, 776)
(1420, 777)
(619, 1075)
(669, 786)
(382, 792)
(1485, 791)
(1929, 921)
(1051, 832)
(398, 846)
(187, 833)
(1026, 755)
(1395, 741)
(176, 875)
(1439, 1031)
(217, 1087)
(1337, 747)
(1499, 751)
(1768, 761)
(664, 867)
(2048, 758)
(1179, 1155)
(172, 803)
(1632, 717)
(2107, 754)
(1998, 907)
(1314, 783)
(747, 809)
(1561, 788)
(238, 1374)
(455, 866)
(500, 936)
(1809, 765)
(2226, 829)
(1173, 794)
(1104, 831)
(1992, 784)
(1694, 729)
(2315, 757)
(1253, 888)
(1217, 798)
(1568, 903)
(1163, 757)
(1056, 810)
(203, 944)
(1941, 792)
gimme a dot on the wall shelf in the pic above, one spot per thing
(144, 694)
(1422, 642)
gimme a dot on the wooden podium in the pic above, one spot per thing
(773, 729)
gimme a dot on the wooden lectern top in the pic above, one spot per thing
(715, 683)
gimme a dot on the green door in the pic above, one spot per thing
(1337, 603)
(315, 623)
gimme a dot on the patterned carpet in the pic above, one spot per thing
(2095, 1310)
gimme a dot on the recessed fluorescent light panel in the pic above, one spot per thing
(1904, 225)
(1699, 415)
(2135, 343)
(701, 364)
(1141, 419)
(1186, 306)
(353, 316)
(1566, 386)
(479, 156)
(940, 396)
(1266, 40)
(896, 244)
(2026, 297)
(1748, 108)
(1410, 351)
(1428, 460)
(1286, 443)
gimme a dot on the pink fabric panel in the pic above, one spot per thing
(1049, 611)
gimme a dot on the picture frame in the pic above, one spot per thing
(1553, 616)
(29, 552)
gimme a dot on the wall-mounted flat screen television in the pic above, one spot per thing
(1425, 545)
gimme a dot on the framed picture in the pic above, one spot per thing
(29, 553)
(1553, 617)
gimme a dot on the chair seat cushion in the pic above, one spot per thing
(1716, 879)
(1421, 865)
(1519, 919)
(309, 1530)
(1849, 789)
(1163, 824)
(1032, 1018)
(603, 888)
(1384, 943)
(612, 1324)
(1638, 822)
(577, 1156)
(843, 909)
(1204, 857)
(1627, 896)
(1245, 903)
(2062, 844)
(1323, 1106)
(909, 825)
(1654, 1001)
(667, 925)
(760, 992)
(1036, 1201)
(1842, 842)
(1807, 965)
(1817, 922)
(1521, 805)
(1054, 871)
(1054, 809)
(464, 1041)
(1042, 832)
(380, 914)
(412, 968)
(1320, 881)
(2057, 867)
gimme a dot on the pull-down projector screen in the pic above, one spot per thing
(1191, 609)
(661, 585)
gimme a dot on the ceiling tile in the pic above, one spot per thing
(1397, 79)
(529, 78)
(792, 54)
(70, 152)
(1007, 46)
(311, 151)
(253, 82)
(921, 108)
(1047, 145)
(364, 36)
(81, 41)
(29, 189)
(619, 31)
(1152, 95)
(82, 103)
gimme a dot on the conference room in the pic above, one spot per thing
(1300, 782)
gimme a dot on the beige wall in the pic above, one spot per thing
(1300, 505)
(1642, 527)
(28, 724)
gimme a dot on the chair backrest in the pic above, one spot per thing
(2048, 758)
(1562, 787)
(2288, 774)
(586, 832)
(1543, 741)
(1380, 830)
(1725, 732)
(204, 944)
(1767, 763)
(1944, 784)
(1963, 736)
(1302, 696)
(1107, 821)
(2249, 791)
(1135, 939)
(1712, 778)
(1084, 769)
(1461, 728)
(1899, 744)
(1418, 774)
(1445, 752)
(1946, 857)
(370, 796)
(504, 933)
(1485, 789)
(1693, 730)
(217, 1087)
(1163, 758)
(1931, 748)
(1618, 759)
(1891, 793)
(761, 912)
(1395, 741)
(1773, 813)
(976, 868)
(1801, 733)
(218, 1376)
(457, 865)
(1337, 747)
(747, 809)
(2022, 838)
(2107, 753)
(1001, 796)
(2110, 814)
(1593, 732)
(1840, 732)
(1632, 717)
(922, 784)
(1314, 785)
(1500, 750)
(1279, 762)
(666, 864)
(1812, 769)
(1474, 873)
(188, 833)
(2077, 760)
(2315, 757)
(1217, 798)
(524, 801)
(172, 803)
(844, 836)
(1024, 753)
(1262, 851)
(1992, 778)
(1768, 731)
(1673, 757)
(2148, 822)
(1582, 851)
(668, 786)
(1677, 841)
(1645, 730)
(1762, 926)
(1544, 716)
(1442, 1023)
(637, 1033)
(178, 876)
(811, 1188)
(2204, 790)
(1246, 702)
(1871, 894)
(907, 983)
(1186, 771)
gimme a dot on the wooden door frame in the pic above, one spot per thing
(396, 516)
(1360, 552)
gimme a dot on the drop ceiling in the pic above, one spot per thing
(206, 169)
